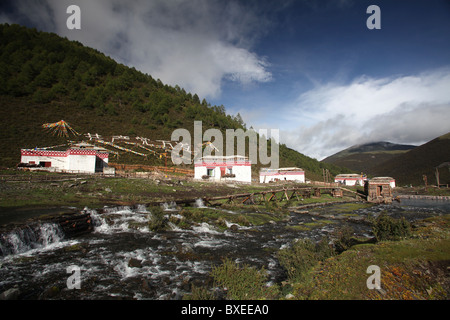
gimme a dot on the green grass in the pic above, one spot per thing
(350, 207)
(243, 282)
(311, 225)
(218, 217)
(405, 268)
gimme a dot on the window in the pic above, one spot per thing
(46, 164)
(210, 172)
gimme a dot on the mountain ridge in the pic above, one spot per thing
(412, 166)
(362, 157)
(407, 164)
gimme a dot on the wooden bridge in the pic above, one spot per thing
(284, 194)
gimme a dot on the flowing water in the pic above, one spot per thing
(123, 259)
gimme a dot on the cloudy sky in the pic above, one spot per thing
(310, 68)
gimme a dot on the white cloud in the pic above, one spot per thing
(195, 44)
(403, 109)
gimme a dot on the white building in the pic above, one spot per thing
(350, 179)
(281, 174)
(83, 158)
(223, 168)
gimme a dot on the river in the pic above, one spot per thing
(123, 259)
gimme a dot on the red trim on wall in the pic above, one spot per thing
(223, 164)
(75, 152)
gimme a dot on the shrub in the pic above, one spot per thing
(158, 222)
(387, 228)
(302, 256)
(199, 293)
(242, 220)
(243, 283)
(344, 236)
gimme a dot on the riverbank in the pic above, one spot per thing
(423, 197)
(28, 194)
(414, 268)
(24, 195)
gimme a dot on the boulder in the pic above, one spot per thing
(135, 263)
(10, 294)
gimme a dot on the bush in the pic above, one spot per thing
(344, 237)
(388, 228)
(243, 283)
(302, 256)
(199, 293)
(158, 222)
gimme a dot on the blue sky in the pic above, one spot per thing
(310, 68)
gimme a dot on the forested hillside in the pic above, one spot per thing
(45, 78)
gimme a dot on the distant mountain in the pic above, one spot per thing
(45, 78)
(363, 157)
(409, 167)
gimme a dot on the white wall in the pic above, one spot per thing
(83, 163)
(80, 163)
(281, 177)
(72, 160)
(242, 173)
(346, 182)
(56, 162)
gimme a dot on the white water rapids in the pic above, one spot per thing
(123, 258)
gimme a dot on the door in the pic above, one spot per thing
(379, 191)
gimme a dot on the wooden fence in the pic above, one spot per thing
(131, 167)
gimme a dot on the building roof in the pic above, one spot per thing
(281, 169)
(348, 175)
(381, 180)
(222, 158)
(85, 145)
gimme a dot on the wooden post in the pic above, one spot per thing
(263, 196)
(437, 177)
(272, 196)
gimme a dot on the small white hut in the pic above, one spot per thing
(223, 168)
(281, 174)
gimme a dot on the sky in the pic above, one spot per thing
(309, 68)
